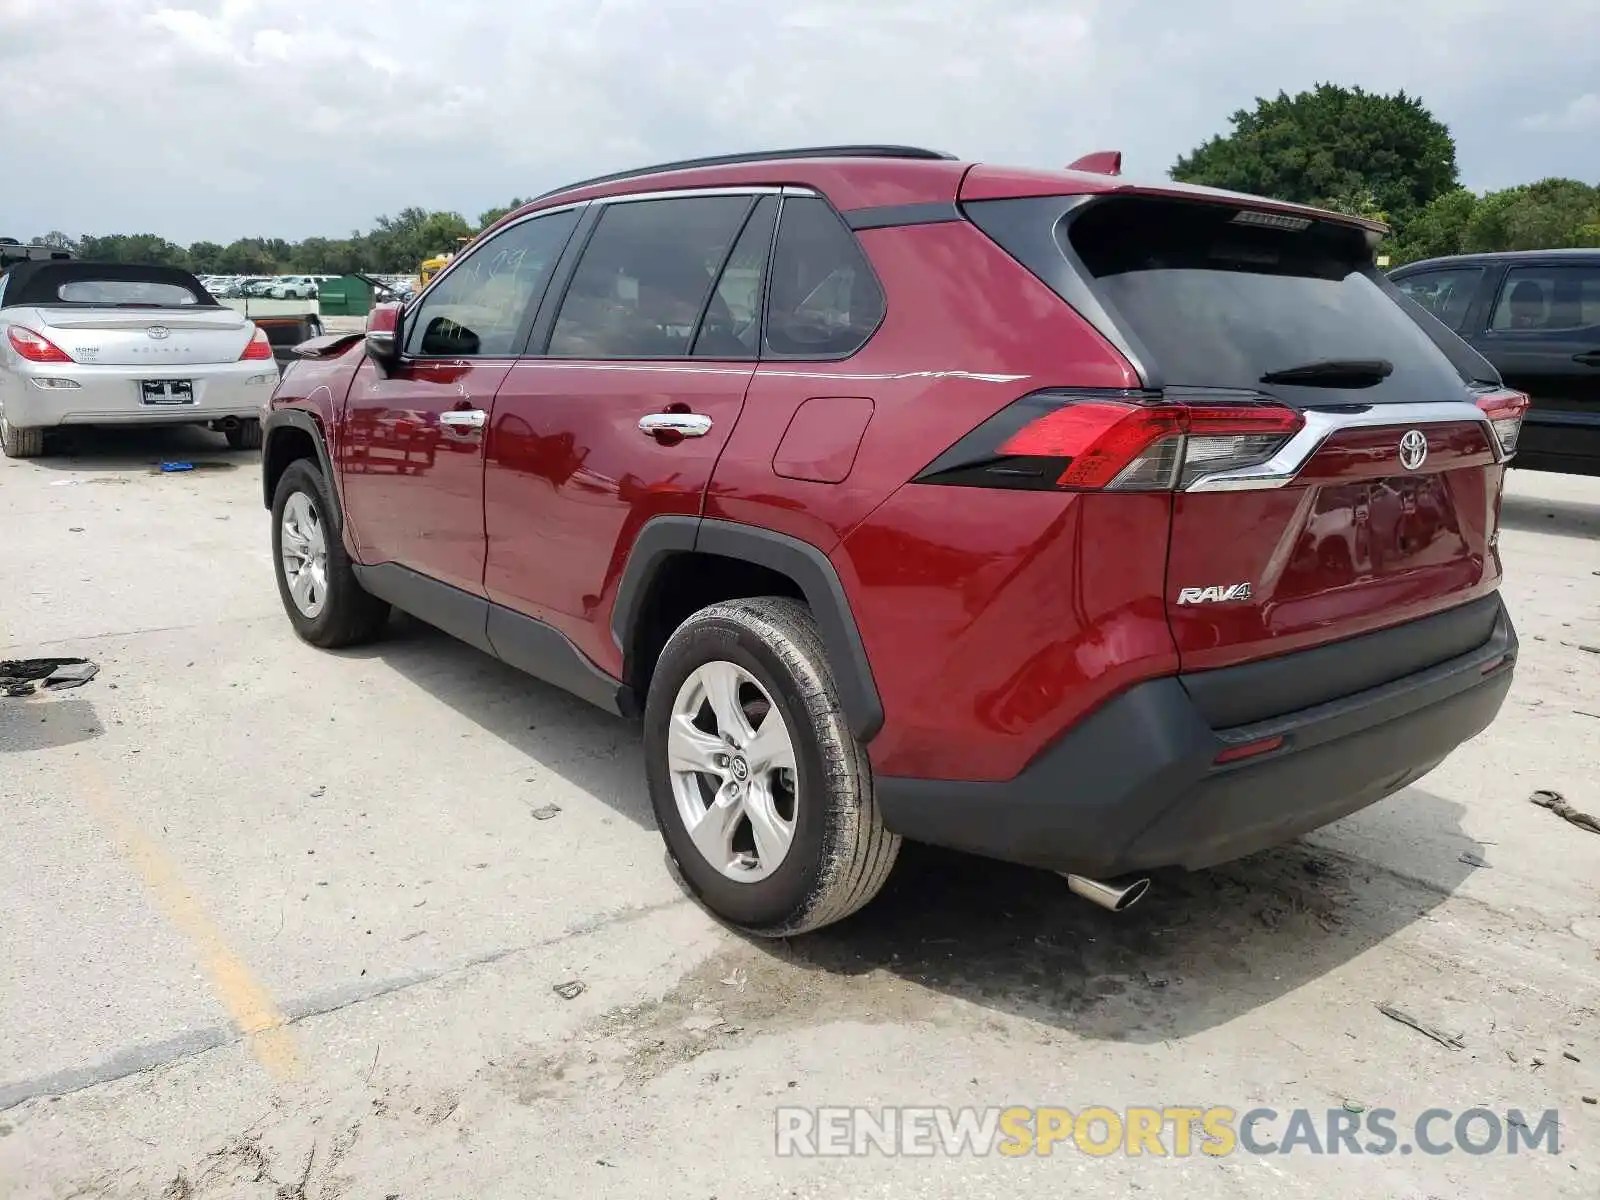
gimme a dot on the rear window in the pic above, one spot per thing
(1219, 303)
(125, 293)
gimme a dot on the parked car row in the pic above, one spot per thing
(1031, 513)
(275, 287)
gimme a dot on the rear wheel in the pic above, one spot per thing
(20, 443)
(246, 435)
(325, 603)
(761, 792)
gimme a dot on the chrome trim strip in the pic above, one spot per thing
(752, 189)
(1290, 460)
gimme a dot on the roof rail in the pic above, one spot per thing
(729, 160)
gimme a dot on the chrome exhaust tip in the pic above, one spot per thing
(1115, 895)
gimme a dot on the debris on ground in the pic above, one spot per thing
(1570, 1056)
(169, 467)
(545, 813)
(318, 792)
(1591, 1099)
(1557, 803)
(1452, 1041)
(1473, 860)
(23, 677)
(570, 990)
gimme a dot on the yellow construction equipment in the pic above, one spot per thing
(429, 267)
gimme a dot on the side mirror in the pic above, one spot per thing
(383, 338)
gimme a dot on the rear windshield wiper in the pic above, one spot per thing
(1335, 373)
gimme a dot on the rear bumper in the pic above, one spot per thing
(111, 395)
(1136, 786)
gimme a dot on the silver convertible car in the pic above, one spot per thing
(85, 343)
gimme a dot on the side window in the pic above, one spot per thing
(478, 309)
(1548, 299)
(1446, 294)
(824, 301)
(645, 276)
(732, 322)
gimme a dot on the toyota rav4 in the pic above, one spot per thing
(1033, 513)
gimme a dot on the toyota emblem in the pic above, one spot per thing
(1413, 449)
(159, 333)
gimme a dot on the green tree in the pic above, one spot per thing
(1436, 230)
(1550, 214)
(399, 243)
(494, 214)
(132, 248)
(205, 257)
(1330, 146)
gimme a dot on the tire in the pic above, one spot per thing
(347, 614)
(246, 435)
(21, 443)
(838, 854)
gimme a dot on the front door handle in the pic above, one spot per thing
(681, 424)
(1589, 358)
(473, 418)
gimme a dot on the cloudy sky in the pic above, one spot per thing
(216, 119)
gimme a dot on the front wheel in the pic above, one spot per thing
(763, 796)
(325, 603)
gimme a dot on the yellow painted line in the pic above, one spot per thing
(257, 1017)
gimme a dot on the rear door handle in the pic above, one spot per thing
(682, 424)
(473, 418)
(1589, 358)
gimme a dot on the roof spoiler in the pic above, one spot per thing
(1101, 162)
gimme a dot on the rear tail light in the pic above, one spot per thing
(259, 348)
(1505, 410)
(36, 347)
(1117, 442)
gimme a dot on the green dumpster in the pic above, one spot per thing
(347, 296)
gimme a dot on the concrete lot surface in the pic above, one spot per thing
(282, 923)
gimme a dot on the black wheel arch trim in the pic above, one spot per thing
(296, 418)
(663, 538)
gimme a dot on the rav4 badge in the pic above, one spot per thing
(1215, 595)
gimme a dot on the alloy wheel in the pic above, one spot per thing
(732, 765)
(304, 545)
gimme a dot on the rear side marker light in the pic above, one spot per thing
(56, 385)
(1118, 442)
(1505, 410)
(1249, 750)
(35, 347)
(259, 348)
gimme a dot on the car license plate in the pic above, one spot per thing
(166, 391)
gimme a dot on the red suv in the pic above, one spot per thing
(1027, 512)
